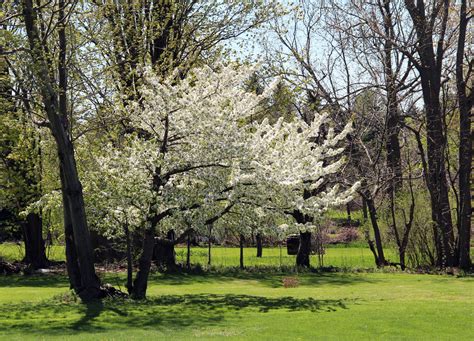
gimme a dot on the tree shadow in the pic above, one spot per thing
(273, 280)
(37, 280)
(170, 312)
(204, 302)
(93, 310)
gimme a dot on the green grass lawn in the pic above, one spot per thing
(335, 256)
(13, 252)
(246, 306)
(350, 257)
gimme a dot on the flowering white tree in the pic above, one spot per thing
(195, 148)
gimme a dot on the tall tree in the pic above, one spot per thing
(430, 28)
(79, 250)
(465, 99)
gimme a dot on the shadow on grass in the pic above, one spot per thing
(48, 280)
(171, 312)
(268, 278)
(273, 280)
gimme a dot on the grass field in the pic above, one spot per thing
(353, 257)
(336, 306)
(245, 305)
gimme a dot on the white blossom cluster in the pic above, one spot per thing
(197, 137)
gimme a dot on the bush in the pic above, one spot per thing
(345, 235)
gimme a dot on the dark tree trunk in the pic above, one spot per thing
(164, 254)
(241, 246)
(129, 259)
(188, 253)
(348, 211)
(304, 247)
(73, 270)
(209, 244)
(430, 70)
(465, 146)
(378, 239)
(304, 250)
(144, 264)
(364, 209)
(392, 120)
(35, 253)
(401, 253)
(71, 186)
(372, 249)
(435, 227)
(259, 245)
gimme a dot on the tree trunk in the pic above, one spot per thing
(364, 209)
(164, 254)
(144, 264)
(73, 270)
(392, 120)
(241, 246)
(35, 253)
(71, 186)
(188, 253)
(304, 250)
(209, 244)
(430, 69)
(401, 253)
(259, 245)
(465, 146)
(372, 249)
(348, 211)
(378, 239)
(129, 259)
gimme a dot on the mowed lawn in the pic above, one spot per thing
(246, 306)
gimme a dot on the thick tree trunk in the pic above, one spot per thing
(164, 254)
(401, 253)
(73, 270)
(90, 283)
(465, 146)
(241, 246)
(378, 239)
(35, 253)
(144, 264)
(259, 245)
(439, 189)
(71, 186)
(430, 68)
(304, 250)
